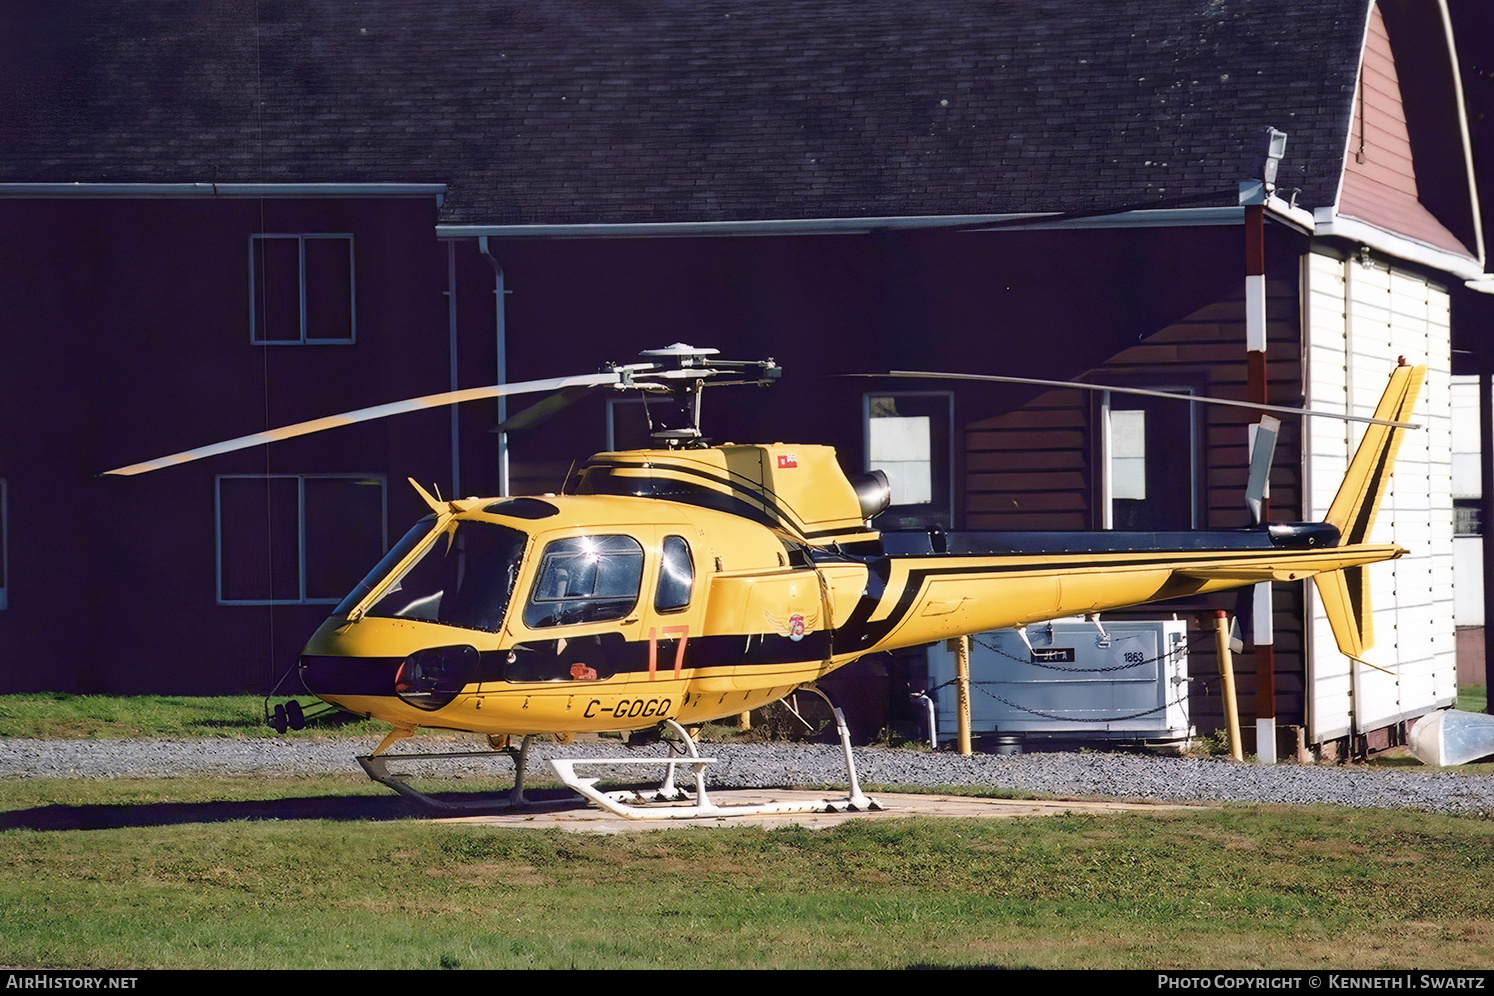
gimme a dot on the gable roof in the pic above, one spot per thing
(584, 111)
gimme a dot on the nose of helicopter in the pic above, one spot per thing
(335, 675)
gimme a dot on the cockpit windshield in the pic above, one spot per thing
(465, 577)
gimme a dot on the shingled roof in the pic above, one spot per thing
(571, 111)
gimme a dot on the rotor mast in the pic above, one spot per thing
(674, 419)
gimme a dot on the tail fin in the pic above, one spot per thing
(1345, 593)
(1345, 598)
(1358, 499)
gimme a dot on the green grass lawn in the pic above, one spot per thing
(335, 872)
(231, 873)
(47, 714)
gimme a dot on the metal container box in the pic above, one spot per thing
(1078, 680)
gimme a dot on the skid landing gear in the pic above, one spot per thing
(376, 765)
(668, 802)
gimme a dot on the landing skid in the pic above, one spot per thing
(672, 803)
(667, 802)
(376, 765)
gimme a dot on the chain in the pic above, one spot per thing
(1072, 719)
(1187, 648)
(1065, 719)
(1090, 670)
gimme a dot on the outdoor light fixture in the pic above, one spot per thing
(1276, 143)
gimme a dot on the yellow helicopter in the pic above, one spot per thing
(690, 582)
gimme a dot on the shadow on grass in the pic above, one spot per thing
(346, 808)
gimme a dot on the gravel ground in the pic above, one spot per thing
(1088, 773)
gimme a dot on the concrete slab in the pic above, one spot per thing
(581, 818)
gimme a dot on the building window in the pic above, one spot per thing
(1467, 520)
(1151, 479)
(627, 425)
(286, 539)
(909, 437)
(301, 289)
(4, 546)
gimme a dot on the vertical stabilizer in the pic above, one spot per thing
(1358, 499)
(1345, 593)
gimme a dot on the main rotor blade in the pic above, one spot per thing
(384, 411)
(544, 410)
(1146, 393)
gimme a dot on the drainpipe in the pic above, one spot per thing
(1486, 506)
(451, 335)
(502, 365)
(933, 722)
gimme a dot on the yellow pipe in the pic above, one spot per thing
(1227, 669)
(962, 673)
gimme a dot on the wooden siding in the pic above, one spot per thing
(1036, 467)
(1379, 184)
(1031, 468)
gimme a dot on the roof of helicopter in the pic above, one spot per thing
(593, 513)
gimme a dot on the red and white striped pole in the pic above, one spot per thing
(1263, 633)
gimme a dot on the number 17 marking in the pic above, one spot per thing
(683, 632)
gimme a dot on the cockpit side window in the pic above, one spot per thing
(676, 576)
(585, 579)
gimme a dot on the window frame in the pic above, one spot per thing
(934, 512)
(305, 338)
(667, 576)
(1196, 465)
(554, 549)
(4, 544)
(617, 422)
(301, 566)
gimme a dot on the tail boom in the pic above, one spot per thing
(936, 597)
(973, 582)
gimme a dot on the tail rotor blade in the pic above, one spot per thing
(1262, 448)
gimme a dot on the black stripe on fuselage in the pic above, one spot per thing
(609, 654)
(546, 661)
(858, 633)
